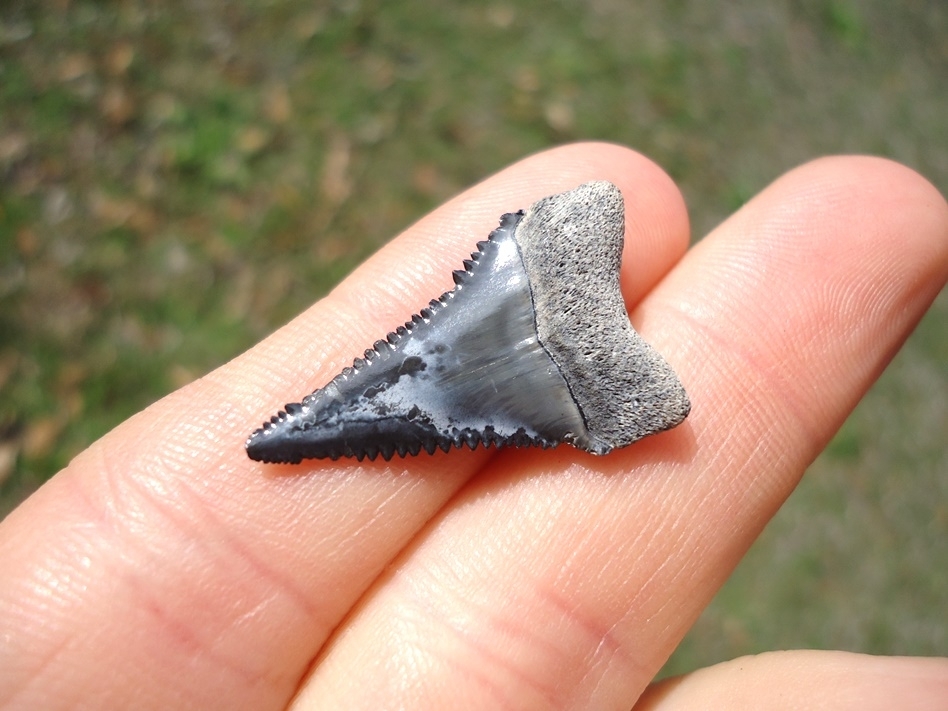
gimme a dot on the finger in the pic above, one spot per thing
(562, 580)
(820, 681)
(166, 569)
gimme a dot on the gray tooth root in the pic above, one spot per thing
(533, 347)
(572, 251)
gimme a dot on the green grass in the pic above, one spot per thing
(177, 182)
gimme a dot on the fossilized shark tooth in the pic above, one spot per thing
(533, 347)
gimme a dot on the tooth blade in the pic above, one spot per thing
(475, 365)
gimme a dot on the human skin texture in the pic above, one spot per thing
(164, 569)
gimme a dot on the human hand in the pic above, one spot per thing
(164, 569)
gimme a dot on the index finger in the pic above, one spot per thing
(164, 565)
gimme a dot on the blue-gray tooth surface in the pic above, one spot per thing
(523, 351)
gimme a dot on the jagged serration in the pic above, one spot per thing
(533, 347)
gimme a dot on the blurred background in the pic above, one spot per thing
(178, 179)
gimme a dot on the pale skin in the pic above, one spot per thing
(164, 569)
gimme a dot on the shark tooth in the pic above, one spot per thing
(533, 347)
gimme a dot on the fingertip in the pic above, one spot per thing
(876, 202)
(901, 204)
(805, 679)
(417, 265)
(657, 226)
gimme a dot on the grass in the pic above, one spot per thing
(178, 180)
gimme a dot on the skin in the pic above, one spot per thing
(164, 569)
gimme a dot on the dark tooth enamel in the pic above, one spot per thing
(533, 347)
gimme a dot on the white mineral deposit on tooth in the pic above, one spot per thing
(533, 347)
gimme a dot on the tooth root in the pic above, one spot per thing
(502, 360)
